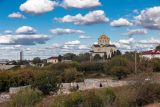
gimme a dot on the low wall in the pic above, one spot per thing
(14, 90)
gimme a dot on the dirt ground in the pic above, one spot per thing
(153, 105)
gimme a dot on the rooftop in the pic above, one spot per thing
(151, 52)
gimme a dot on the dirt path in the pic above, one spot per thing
(153, 105)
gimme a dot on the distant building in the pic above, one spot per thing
(151, 54)
(52, 60)
(4, 65)
(103, 48)
(3, 62)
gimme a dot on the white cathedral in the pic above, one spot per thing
(103, 47)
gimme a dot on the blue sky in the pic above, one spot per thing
(47, 28)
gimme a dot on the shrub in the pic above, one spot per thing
(46, 82)
(119, 71)
(91, 67)
(108, 96)
(25, 98)
(74, 100)
(114, 62)
(148, 93)
(92, 100)
(72, 75)
(25, 76)
(156, 65)
(62, 66)
(86, 99)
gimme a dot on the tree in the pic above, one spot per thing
(97, 57)
(105, 56)
(156, 65)
(59, 58)
(83, 57)
(36, 60)
(119, 71)
(72, 75)
(69, 56)
(46, 82)
(116, 61)
(158, 47)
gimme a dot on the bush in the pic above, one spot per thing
(46, 82)
(74, 100)
(108, 96)
(119, 71)
(101, 98)
(156, 65)
(25, 98)
(61, 66)
(114, 62)
(91, 67)
(148, 93)
(21, 77)
(72, 75)
(92, 100)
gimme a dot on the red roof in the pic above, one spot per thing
(151, 52)
(53, 58)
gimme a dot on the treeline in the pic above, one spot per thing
(47, 77)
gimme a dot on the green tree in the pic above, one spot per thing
(83, 57)
(72, 75)
(60, 58)
(158, 47)
(114, 62)
(119, 71)
(46, 82)
(36, 60)
(69, 56)
(97, 57)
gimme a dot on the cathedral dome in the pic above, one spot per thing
(103, 39)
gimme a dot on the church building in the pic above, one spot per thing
(103, 48)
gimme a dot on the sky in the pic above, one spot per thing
(44, 28)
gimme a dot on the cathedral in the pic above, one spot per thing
(103, 48)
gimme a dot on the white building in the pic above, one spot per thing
(52, 60)
(103, 47)
(4, 65)
(151, 54)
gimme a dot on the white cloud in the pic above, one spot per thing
(61, 31)
(136, 32)
(139, 45)
(120, 22)
(8, 31)
(92, 17)
(83, 47)
(16, 15)
(26, 30)
(84, 37)
(136, 11)
(149, 18)
(127, 41)
(81, 3)
(37, 6)
(9, 48)
(76, 42)
(23, 39)
(150, 41)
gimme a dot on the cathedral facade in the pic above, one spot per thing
(103, 48)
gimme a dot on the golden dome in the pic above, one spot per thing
(103, 39)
